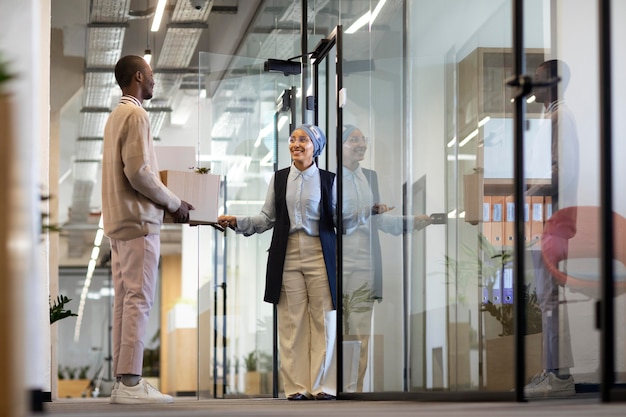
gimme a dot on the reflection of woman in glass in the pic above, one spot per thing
(362, 267)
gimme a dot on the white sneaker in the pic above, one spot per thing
(113, 396)
(548, 385)
(142, 393)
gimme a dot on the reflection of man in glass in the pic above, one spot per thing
(559, 129)
(362, 268)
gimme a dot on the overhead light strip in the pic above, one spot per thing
(158, 15)
(368, 17)
(91, 267)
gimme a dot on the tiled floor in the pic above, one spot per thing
(186, 407)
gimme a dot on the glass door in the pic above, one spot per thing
(243, 137)
(326, 102)
(421, 100)
(557, 207)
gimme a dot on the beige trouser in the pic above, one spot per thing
(134, 267)
(359, 324)
(304, 300)
(358, 276)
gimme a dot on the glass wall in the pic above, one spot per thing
(246, 117)
(562, 175)
(457, 107)
(618, 57)
(425, 158)
(379, 190)
(427, 162)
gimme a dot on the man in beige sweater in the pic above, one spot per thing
(133, 204)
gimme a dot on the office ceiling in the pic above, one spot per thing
(101, 31)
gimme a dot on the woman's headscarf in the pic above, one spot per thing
(347, 131)
(317, 137)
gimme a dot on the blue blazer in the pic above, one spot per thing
(372, 179)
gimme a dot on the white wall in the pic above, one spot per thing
(577, 45)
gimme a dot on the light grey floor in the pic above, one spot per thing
(587, 407)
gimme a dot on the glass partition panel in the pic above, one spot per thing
(426, 117)
(459, 54)
(618, 58)
(562, 176)
(83, 318)
(239, 123)
(378, 188)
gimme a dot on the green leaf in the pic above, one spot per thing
(57, 310)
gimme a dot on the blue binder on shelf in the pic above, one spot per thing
(487, 284)
(496, 294)
(497, 217)
(507, 285)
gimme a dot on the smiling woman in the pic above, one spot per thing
(301, 275)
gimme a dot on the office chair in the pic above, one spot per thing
(570, 247)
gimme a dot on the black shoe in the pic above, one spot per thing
(323, 396)
(297, 397)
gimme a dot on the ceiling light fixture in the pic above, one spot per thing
(368, 17)
(468, 138)
(158, 15)
(147, 55)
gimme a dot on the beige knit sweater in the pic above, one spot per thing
(133, 196)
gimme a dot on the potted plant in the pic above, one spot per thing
(486, 266)
(73, 381)
(258, 378)
(5, 74)
(504, 313)
(477, 266)
(358, 301)
(501, 349)
(253, 377)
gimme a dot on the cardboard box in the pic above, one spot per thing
(200, 190)
(473, 197)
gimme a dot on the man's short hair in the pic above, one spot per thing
(558, 68)
(126, 68)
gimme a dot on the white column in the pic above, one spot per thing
(24, 42)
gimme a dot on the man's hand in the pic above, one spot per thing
(379, 208)
(182, 214)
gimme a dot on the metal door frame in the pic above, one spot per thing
(320, 55)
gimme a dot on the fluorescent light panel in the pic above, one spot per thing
(368, 17)
(158, 15)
